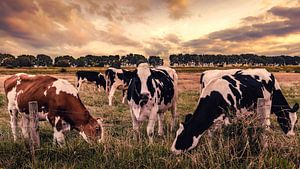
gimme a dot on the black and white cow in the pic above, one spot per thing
(90, 76)
(151, 92)
(117, 79)
(237, 92)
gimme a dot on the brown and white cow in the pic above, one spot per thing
(58, 98)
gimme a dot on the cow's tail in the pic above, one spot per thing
(201, 82)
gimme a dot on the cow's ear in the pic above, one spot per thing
(295, 108)
(188, 117)
(129, 74)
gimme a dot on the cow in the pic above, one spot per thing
(151, 92)
(90, 76)
(237, 92)
(117, 79)
(58, 99)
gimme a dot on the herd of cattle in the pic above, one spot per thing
(149, 93)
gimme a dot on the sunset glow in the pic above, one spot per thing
(149, 27)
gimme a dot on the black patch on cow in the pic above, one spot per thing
(230, 80)
(134, 89)
(127, 76)
(165, 85)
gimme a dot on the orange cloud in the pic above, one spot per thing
(177, 8)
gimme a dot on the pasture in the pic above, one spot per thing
(236, 146)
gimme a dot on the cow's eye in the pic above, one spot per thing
(97, 130)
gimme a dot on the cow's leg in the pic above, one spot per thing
(124, 96)
(111, 94)
(174, 115)
(151, 123)
(160, 124)
(99, 88)
(25, 125)
(135, 125)
(14, 122)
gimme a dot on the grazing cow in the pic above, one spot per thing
(90, 76)
(58, 98)
(237, 93)
(117, 79)
(151, 92)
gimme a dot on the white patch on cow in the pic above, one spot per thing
(220, 118)
(45, 92)
(143, 73)
(226, 121)
(58, 137)
(293, 117)
(195, 142)
(11, 99)
(84, 136)
(219, 85)
(64, 86)
(178, 132)
(25, 74)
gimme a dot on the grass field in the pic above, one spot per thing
(232, 147)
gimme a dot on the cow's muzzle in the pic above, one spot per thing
(144, 97)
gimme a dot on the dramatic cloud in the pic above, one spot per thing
(177, 8)
(290, 24)
(149, 27)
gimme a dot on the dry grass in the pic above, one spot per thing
(236, 146)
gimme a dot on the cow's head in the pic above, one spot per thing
(288, 120)
(185, 139)
(92, 132)
(141, 89)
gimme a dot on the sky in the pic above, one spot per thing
(149, 27)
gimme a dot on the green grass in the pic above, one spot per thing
(226, 149)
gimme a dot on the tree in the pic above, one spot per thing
(26, 60)
(64, 61)
(155, 61)
(43, 60)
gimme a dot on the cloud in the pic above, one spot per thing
(115, 35)
(288, 24)
(116, 10)
(172, 38)
(178, 9)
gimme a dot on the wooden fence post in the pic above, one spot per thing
(263, 116)
(33, 124)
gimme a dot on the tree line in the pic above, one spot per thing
(9, 60)
(223, 60)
